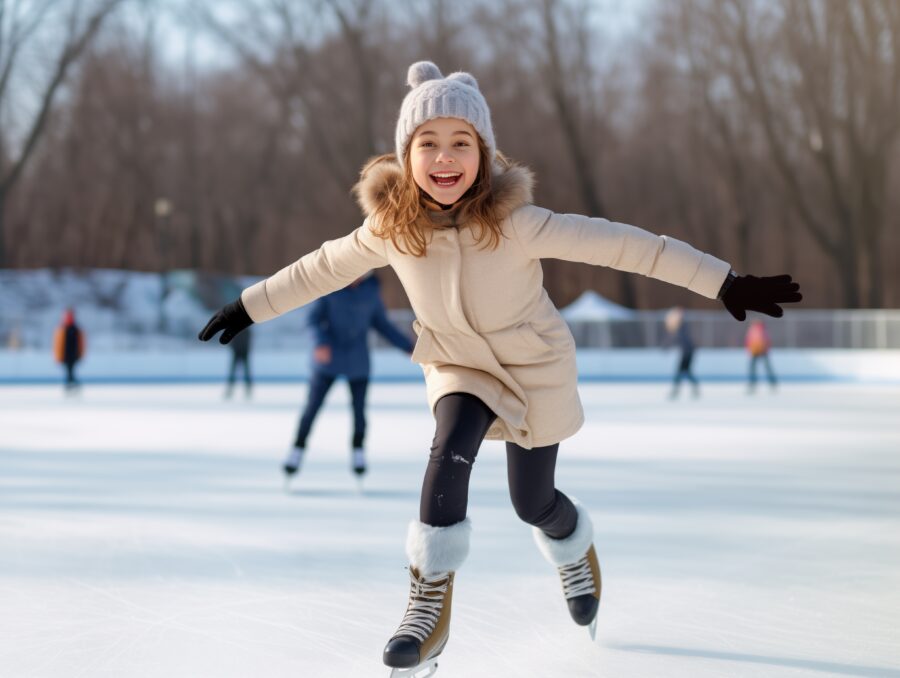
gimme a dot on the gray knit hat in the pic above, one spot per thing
(434, 96)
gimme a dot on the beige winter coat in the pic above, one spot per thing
(485, 324)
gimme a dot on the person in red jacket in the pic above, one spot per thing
(758, 344)
(68, 347)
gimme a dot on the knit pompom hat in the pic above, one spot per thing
(434, 96)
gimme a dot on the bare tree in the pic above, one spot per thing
(822, 80)
(20, 25)
(437, 28)
(282, 42)
(723, 127)
(751, 128)
(561, 77)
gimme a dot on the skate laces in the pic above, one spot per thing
(426, 598)
(577, 578)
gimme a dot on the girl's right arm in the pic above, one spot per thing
(333, 266)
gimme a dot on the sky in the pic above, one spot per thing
(621, 18)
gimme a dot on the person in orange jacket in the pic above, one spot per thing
(68, 347)
(758, 344)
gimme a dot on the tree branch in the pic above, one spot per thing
(776, 147)
(17, 38)
(69, 55)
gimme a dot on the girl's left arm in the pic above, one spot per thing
(546, 235)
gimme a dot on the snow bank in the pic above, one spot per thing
(136, 333)
(209, 363)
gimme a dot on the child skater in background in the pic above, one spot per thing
(456, 222)
(758, 344)
(679, 332)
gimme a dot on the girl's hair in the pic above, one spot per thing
(402, 215)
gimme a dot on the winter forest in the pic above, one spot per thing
(158, 135)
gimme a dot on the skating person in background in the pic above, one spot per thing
(14, 338)
(758, 344)
(455, 220)
(69, 347)
(679, 332)
(341, 323)
(240, 355)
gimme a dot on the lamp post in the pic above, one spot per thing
(162, 208)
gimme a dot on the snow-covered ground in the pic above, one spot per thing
(144, 531)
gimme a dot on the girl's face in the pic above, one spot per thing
(444, 158)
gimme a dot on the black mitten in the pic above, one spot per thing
(232, 318)
(742, 293)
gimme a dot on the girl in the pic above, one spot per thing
(454, 219)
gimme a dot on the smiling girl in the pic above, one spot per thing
(456, 222)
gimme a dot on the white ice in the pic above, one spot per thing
(144, 531)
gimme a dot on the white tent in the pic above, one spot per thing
(592, 306)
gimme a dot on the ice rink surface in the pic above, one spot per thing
(145, 531)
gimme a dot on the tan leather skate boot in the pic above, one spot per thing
(426, 625)
(434, 554)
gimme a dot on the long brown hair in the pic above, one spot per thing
(403, 213)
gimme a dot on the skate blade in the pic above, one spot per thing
(413, 672)
(592, 629)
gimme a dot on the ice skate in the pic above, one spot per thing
(434, 554)
(423, 633)
(292, 465)
(358, 461)
(358, 466)
(576, 560)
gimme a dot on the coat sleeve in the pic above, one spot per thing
(386, 329)
(334, 265)
(546, 235)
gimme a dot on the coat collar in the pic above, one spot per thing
(512, 186)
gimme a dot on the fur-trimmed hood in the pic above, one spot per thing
(512, 184)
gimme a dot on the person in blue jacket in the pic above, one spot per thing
(341, 322)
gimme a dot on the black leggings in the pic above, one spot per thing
(462, 423)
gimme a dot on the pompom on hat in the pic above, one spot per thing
(434, 96)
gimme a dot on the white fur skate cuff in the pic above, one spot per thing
(569, 550)
(433, 550)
